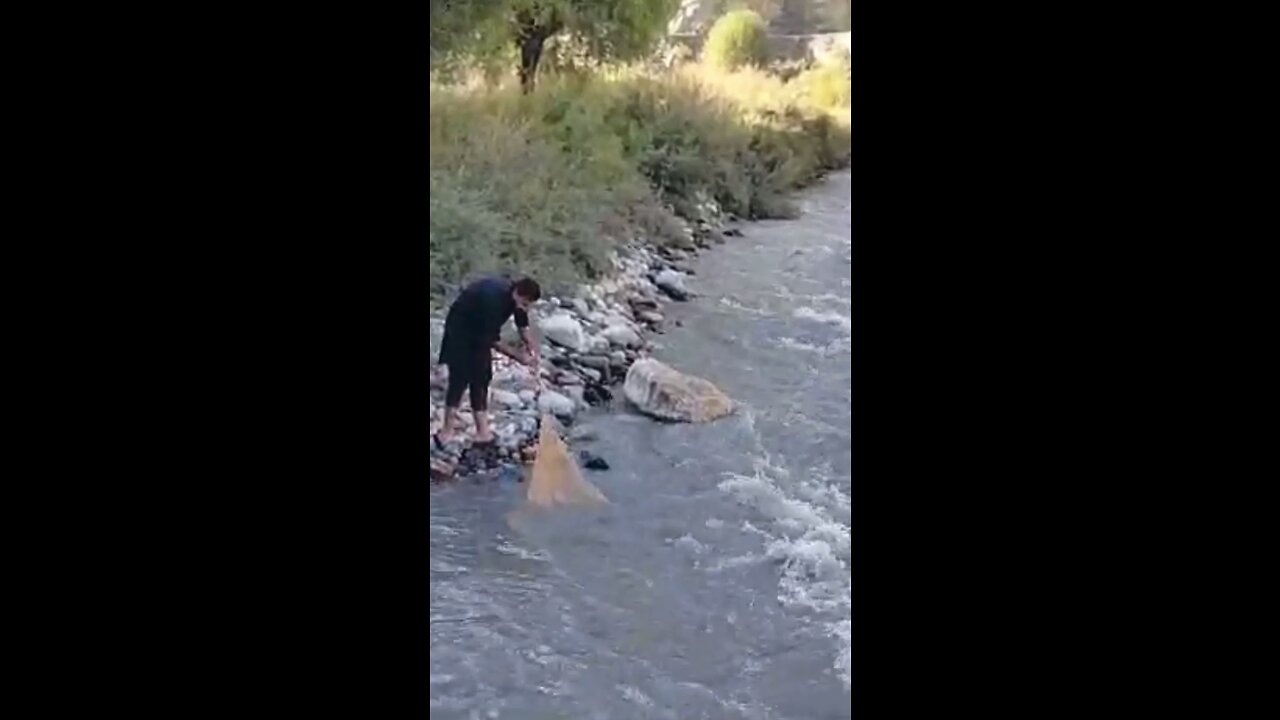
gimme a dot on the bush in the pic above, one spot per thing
(827, 86)
(738, 39)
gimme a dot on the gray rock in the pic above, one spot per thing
(563, 330)
(653, 318)
(672, 283)
(584, 434)
(591, 374)
(505, 399)
(556, 404)
(576, 393)
(623, 336)
(599, 362)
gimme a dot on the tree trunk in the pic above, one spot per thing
(531, 47)
(531, 38)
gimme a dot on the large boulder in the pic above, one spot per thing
(667, 394)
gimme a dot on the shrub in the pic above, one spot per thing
(738, 39)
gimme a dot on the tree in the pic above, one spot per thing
(489, 29)
(457, 24)
(608, 29)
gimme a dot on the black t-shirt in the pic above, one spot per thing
(481, 310)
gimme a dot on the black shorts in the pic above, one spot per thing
(470, 366)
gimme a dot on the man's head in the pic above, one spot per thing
(526, 292)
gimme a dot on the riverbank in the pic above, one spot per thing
(590, 340)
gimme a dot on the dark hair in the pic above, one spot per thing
(529, 289)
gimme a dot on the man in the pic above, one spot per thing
(472, 331)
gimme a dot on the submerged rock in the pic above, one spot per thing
(591, 461)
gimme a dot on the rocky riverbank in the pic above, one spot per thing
(590, 342)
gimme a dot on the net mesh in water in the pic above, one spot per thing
(556, 479)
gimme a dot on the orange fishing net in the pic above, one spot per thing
(556, 479)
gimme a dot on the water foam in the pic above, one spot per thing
(733, 304)
(827, 317)
(832, 348)
(808, 542)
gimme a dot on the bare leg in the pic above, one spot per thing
(484, 434)
(450, 424)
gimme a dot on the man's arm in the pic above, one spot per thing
(510, 352)
(531, 343)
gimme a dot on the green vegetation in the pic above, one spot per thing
(738, 39)
(549, 179)
(515, 33)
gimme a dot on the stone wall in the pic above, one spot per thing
(784, 48)
(785, 17)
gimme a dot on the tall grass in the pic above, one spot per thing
(550, 183)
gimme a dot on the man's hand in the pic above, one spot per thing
(533, 359)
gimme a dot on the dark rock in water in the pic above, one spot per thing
(562, 361)
(591, 461)
(584, 435)
(733, 233)
(639, 304)
(597, 394)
